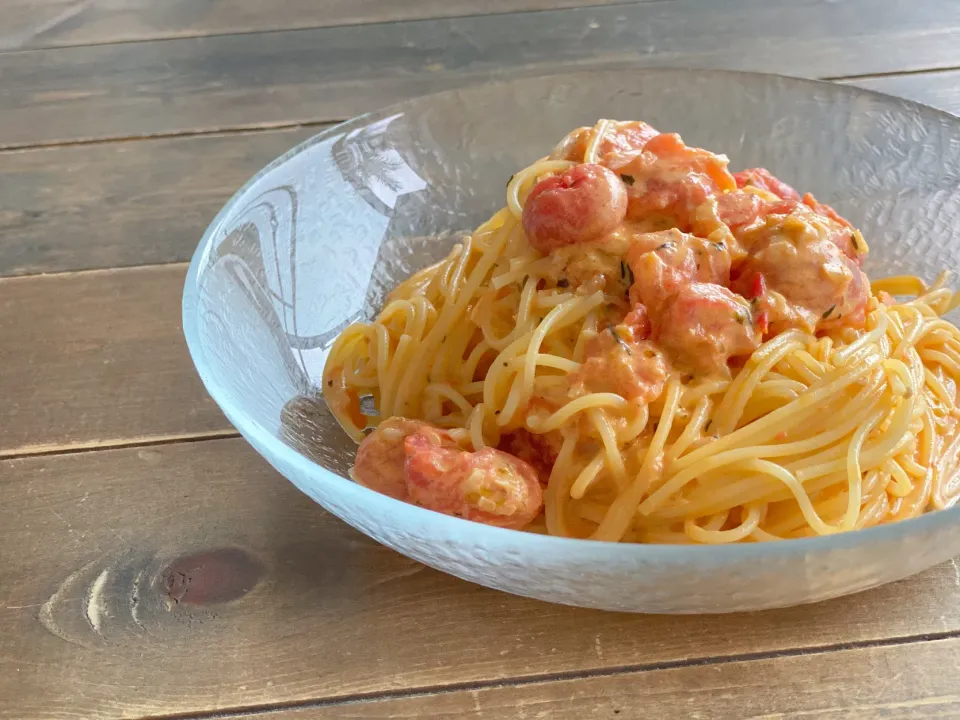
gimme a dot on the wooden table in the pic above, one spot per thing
(152, 565)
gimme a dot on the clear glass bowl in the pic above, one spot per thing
(315, 239)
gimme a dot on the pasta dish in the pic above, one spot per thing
(642, 346)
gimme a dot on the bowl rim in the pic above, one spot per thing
(449, 526)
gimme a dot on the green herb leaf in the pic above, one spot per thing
(829, 310)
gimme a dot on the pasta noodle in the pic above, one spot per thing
(814, 432)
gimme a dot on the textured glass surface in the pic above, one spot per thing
(314, 240)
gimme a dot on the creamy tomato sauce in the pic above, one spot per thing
(738, 259)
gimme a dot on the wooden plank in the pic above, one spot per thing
(97, 358)
(906, 681)
(190, 576)
(128, 203)
(160, 195)
(57, 23)
(939, 89)
(325, 74)
(80, 337)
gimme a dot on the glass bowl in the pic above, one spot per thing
(317, 237)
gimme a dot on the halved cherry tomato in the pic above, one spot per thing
(488, 486)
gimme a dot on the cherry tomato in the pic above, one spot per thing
(580, 205)
(488, 486)
(380, 457)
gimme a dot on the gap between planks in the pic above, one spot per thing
(229, 131)
(546, 678)
(31, 451)
(892, 74)
(90, 271)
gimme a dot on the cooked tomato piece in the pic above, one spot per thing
(763, 179)
(821, 209)
(538, 450)
(580, 205)
(573, 146)
(798, 258)
(676, 260)
(838, 230)
(381, 455)
(705, 325)
(851, 310)
(617, 362)
(623, 139)
(669, 177)
(735, 210)
(758, 286)
(738, 208)
(488, 486)
(619, 144)
(638, 322)
(762, 322)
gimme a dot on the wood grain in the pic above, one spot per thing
(906, 681)
(135, 203)
(97, 358)
(127, 203)
(53, 23)
(325, 74)
(186, 577)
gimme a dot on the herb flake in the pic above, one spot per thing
(619, 339)
(859, 246)
(829, 310)
(627, 179)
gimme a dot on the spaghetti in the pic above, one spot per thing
(647, 414)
